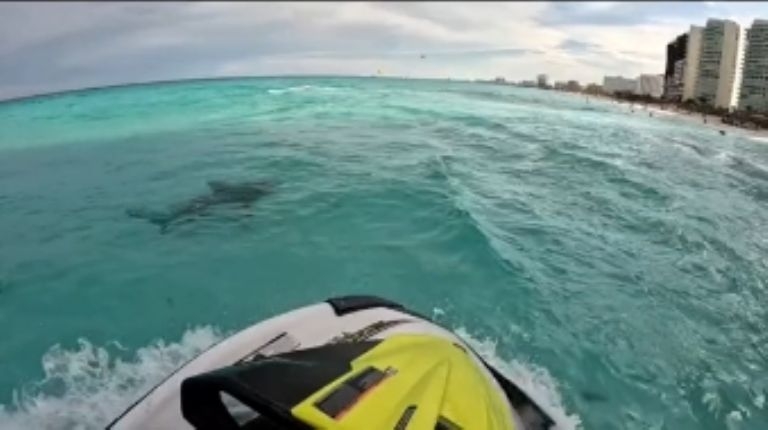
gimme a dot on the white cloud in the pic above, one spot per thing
(50, 46)
(599, 6)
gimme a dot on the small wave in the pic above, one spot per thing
(704, 152)
(745, 167)
(301, 88)
(723, 157)
(535, 381)
(733, 419)
(87, 387)
(437, 167)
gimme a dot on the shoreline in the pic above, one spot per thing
(713, 122)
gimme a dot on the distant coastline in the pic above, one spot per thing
(714, 121)
(674, 111)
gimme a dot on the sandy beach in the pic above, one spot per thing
(712, 121)
(674, 114)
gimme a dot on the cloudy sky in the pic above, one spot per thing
(56, 46)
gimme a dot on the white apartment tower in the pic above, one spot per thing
(691, 65)
(754, 81)
(717, 63)
(616, 84)
(542, 80)
(650, 85)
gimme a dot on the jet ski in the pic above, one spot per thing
(352, 362)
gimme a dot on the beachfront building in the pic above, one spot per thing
(717, 63)
(754, 82)
(542, 80)
(682, 68)
(593, 89)
(573, 86)
(673, 72)
(677, 79)
(618, 84)
(650, 85)
(691, 64)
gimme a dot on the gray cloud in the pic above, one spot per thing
(577, 46)
(628, 14)
(421, 54)
(55, 46)
(145, 42)
(612, 13)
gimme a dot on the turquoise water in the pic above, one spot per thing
(612, 263)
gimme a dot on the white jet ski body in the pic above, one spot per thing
(344, 319)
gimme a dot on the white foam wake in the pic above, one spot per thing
(87, 387)
(759, 138)
(301, 88)
(534, 380)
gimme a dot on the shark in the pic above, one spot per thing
(220, 193)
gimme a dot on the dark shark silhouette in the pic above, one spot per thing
(222, 193)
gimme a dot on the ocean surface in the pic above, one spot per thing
(614, 264)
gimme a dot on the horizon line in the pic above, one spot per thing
(200, 79)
